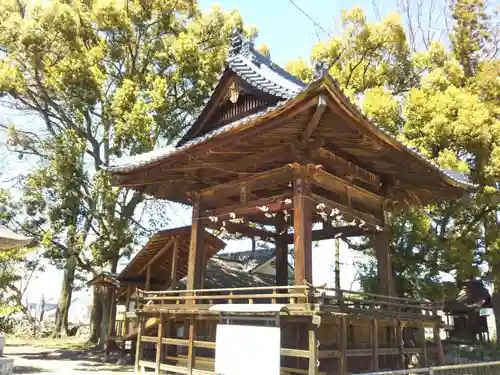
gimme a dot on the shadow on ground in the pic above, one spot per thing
(64, 355)
(28, 370)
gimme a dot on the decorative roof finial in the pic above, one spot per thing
(320, 68)
(240, 45)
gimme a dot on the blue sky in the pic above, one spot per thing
(289, 33)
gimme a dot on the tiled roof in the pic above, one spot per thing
(12, 240)
(129, 163)
(251, 259)
(262, 73)
(222, 273)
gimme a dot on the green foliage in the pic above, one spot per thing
(445, 101)
(105, 79)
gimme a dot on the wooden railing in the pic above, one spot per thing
(306, 297)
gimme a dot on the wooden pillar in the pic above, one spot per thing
(159, 344)
(400, 344)
(313, 351)
(148, 278)
(127, 298)
(302, 221)
(173, 271)
(384, 264)
(424, 362)
(439, 345)
(139, 348)
(191, 349)
(343, 346)
(196, 249)
(112, 314)
(281, 250)
(374, 337)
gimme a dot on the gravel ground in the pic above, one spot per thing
(35, 360)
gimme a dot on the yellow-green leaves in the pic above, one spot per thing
(300, 69)
(383, 109)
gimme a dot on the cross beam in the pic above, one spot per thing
(257, 181)
(336, 184)
(344, 168)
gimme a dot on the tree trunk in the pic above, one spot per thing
(61, 325)
(96, 317)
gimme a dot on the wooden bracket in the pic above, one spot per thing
(314, 122)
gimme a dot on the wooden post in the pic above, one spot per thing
(191, 350)
(173, 272)
(337, 267)
(424, 362)
(400, 344)
(343, 346)
(139, 346)
(281, 250)
(439, 345)
(384, 264)
(313, 351)
(112, 314)
(148, 278)
(374, 337)
(195, 265)
(159, 345)
(127, 299)
(302, 221)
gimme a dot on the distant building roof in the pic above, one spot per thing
(222, 273)
(472, 295)
(250, 258)
(11, 240)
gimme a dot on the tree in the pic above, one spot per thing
(104, 79)
(444, 102)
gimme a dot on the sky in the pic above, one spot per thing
(289, 33)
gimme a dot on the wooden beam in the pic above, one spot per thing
(196, 249)
(243, 228)
(258, 181)
(273, 204)
(348, 214)
(175, 256)
(302, 219)
(344, 168)
(331, 232)
(336, 184)
(245, 163)
(314, 121)
(157, 256)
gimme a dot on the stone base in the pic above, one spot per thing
(6, 365)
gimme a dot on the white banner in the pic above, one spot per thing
(247, 350)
